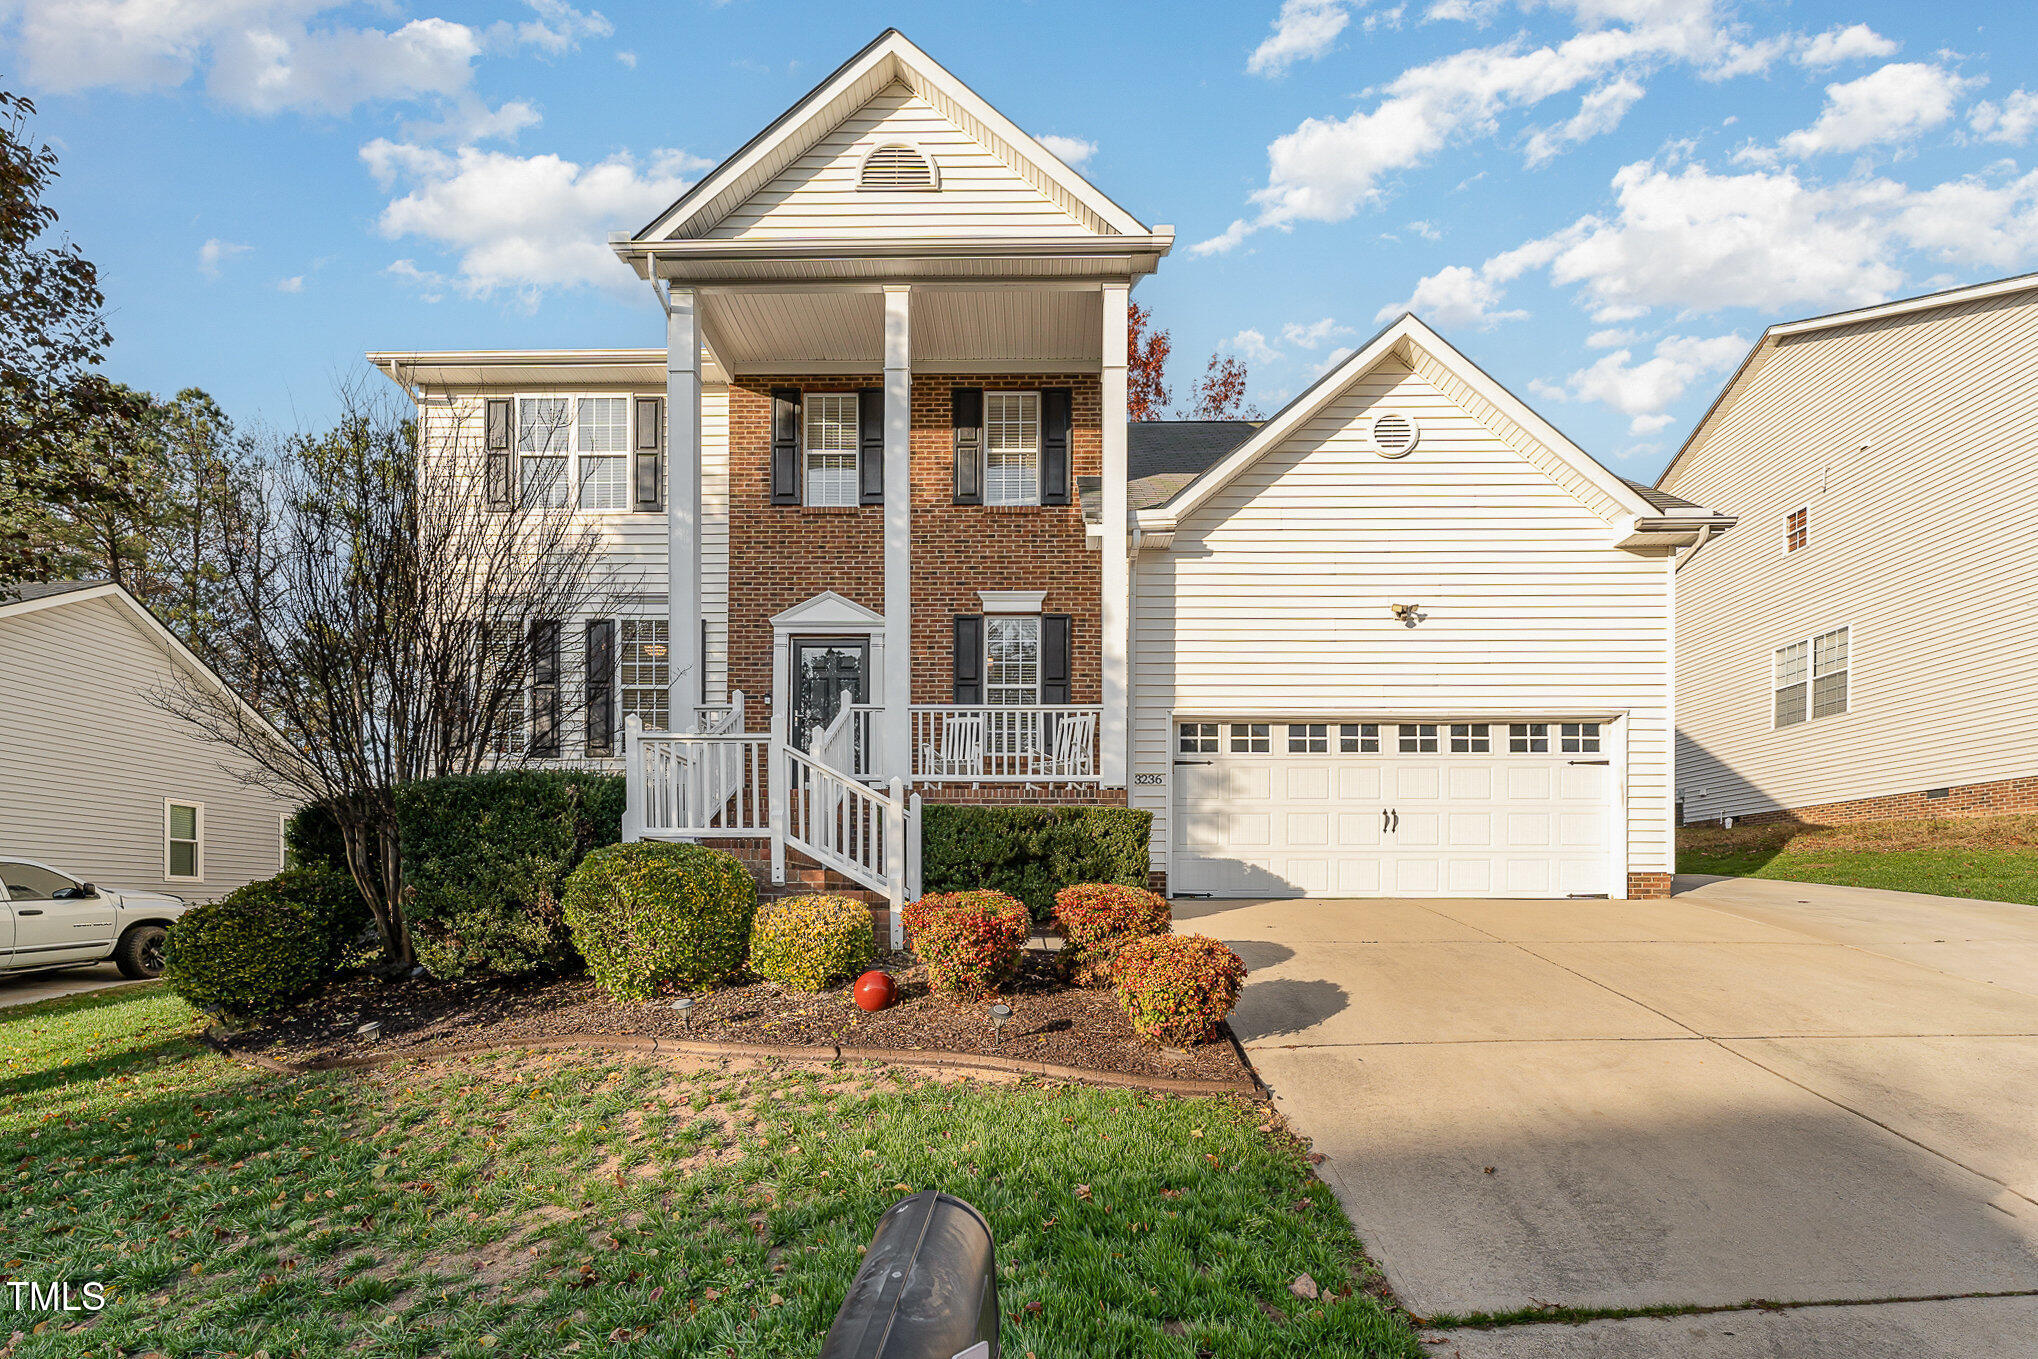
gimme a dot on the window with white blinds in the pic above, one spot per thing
(831, 448)
(575, 451)
(1810, 678)
(643, 673)
(544, 446)
(1011, 448)
(1012, 656)
(603, 431)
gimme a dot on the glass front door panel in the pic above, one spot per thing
(822, 669)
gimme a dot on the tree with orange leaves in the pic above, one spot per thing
(1146, 360)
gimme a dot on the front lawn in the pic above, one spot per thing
(1995, 857)
(526, 1204)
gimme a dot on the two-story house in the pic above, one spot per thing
(1860, 648)
(885, 520)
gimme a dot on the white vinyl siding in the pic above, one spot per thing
(830, 448)
(1011, 448)
(1275, 599)
(87, 761)
(1919, 542)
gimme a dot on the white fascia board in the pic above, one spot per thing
(1952, 297)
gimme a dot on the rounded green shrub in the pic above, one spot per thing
(803, 943)
(251, 951)
(649, 916)
(1096, 919)
(970, 941)
(334, 902)
(1177, 988)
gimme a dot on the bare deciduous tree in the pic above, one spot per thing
(394, 628)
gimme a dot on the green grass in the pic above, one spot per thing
(565, 1203)
(1995, 858)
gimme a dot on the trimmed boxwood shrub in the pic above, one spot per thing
(1096, 919)
(1031, 852)
(803, 943)
(484, 859)
(651, 916)
(970, 941)
(250, 952)
(1177, 988)
(333, 901)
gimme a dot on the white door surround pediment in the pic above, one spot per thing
(827, 612)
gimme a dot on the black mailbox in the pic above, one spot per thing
(928, 1288)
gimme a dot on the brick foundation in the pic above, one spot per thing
(2002, 797)
(1648, 886)
(1021, 794)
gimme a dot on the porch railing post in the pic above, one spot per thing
(633, 778)
(895, 860)
(778, 787)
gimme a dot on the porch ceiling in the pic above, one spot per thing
(953, 330)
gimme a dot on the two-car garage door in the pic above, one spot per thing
(1442, 809)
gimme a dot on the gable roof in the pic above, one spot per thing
(23, 600)
(1427, 352)
(890, 58)
(1766, 343)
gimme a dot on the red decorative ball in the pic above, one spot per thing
(876, 990)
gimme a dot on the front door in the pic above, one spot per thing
(823, 667)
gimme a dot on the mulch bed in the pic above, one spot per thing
(1051, 1021)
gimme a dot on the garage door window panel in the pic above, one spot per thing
(1579, 738)
(1358, 738)
(1198, 738)
(1417, 738)
(1471, 738)
(1252, 738)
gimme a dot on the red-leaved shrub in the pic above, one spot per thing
(1099, 918)
(1177, 988)
(970, 941)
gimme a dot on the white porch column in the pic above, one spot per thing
(683, 504)
(897, 739)
(1113, 729)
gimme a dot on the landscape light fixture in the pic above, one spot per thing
(685, 1007)
(372, 1030)
(999, 1014)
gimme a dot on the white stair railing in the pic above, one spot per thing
(868, 835)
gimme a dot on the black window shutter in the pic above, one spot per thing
(967, 407)
(1056, 419)
(644, 457)
(1055, 636)
(545, 688)
(870, 440)
(601, 686)
(499, 450)
(785, 445)
(969, 659)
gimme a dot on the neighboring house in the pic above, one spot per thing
(1860, 647)
(1402, 638)
(95, 778)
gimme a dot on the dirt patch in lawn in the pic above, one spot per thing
(1051, 1021)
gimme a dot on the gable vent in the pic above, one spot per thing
(1394, 435)
(895, 165)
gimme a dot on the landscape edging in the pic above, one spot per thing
(940, 1060)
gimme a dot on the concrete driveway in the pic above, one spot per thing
(22, 988)
(1751, 1091)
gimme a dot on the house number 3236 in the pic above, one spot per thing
(1146, 778)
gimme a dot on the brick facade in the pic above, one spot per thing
(1645, 886)
(2000, 797)
(781, 555)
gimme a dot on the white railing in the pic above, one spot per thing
(835, 744)
(866, 730)
(868, 835)
(683, 785)
(719, 719)
(1030, 744)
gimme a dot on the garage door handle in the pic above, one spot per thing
(1397, 822)
(1195, 762)
(1588, 762)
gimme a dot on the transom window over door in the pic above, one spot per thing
(1012, 661)
(1810, 678)
(1011, 448)
(831, 432)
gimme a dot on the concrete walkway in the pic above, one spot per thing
(1754, 1090)
(23, 988)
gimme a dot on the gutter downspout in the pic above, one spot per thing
(1705, 536)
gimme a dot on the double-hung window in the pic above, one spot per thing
(643, 671)
(510, 730)
(183, 840)
(1011, 448)
(1810, 678)
(555, 432)
(1012, 661)
(544, 447)
(831, 433)
(602, 432)
(1797, 529)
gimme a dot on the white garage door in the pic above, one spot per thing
(1416, 809)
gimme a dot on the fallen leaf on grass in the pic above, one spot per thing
(1303, 1287)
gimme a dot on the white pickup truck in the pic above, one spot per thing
(51, 919)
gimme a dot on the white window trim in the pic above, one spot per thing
(1039, 437)
(1012, 601)
(1810, 641)
(197, 844)
(855, 451)
(573, 454)
(1806, 511)
(282, 841)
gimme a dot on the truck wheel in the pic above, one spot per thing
(139, 954)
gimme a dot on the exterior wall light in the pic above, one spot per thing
(1408, 614)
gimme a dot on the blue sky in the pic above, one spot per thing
(1601, 201)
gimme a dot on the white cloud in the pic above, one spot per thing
(1314, 334)
(1252, 346)
(216, 252)
(1427, 230)
(1642, 391)
(1856, 42)
(522, 224)
(1453, 296)
(628, 59)
(1599, 112)
(2013, 120)
(1303, 31)
(293, 284)
(1385, 18)
(1892, 104)
(1607, 339)
(267, 56)
(1073, 151)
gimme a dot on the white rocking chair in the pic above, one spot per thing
(957, 748)
(1075, 740)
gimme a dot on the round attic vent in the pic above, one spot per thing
(1394, 435)
(898, 165)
